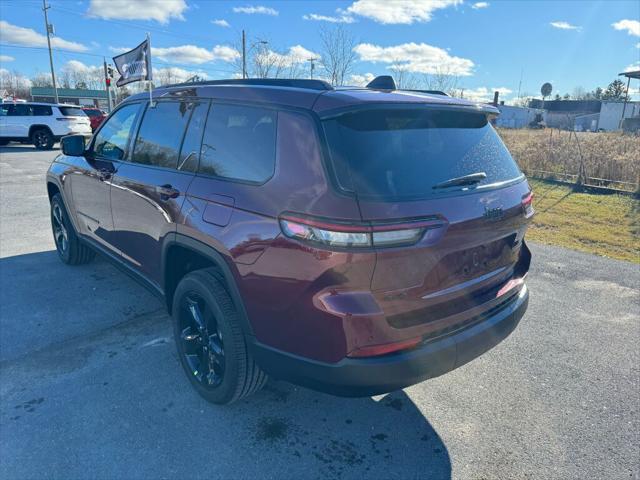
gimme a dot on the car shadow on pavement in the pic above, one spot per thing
(92, 382)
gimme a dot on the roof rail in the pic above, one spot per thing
(431, 92)
(310, 84)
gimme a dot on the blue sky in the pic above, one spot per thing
(489, 45)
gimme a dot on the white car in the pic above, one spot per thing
(42, 124)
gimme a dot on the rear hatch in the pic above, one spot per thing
(73, 117)
(446, 171)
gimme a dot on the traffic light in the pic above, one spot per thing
(108, 82)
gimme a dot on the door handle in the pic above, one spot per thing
(104, 174)
(167, 192)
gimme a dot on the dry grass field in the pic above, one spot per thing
(611, 156)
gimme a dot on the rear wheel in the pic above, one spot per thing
(42, 139)
(210, 342)
(70, 250)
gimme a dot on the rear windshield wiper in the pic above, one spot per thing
(470, 179)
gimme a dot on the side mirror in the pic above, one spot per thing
(72, 145)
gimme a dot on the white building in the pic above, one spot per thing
(516, 117)
(611, 114)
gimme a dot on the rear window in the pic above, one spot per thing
(402, 153)
(72, 111)
(92, 113)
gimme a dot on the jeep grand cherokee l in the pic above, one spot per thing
(41, 124)
(352, 240)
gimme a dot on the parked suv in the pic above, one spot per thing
(355, 241)
(41, 124)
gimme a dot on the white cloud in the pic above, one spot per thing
(416, 57)
(221, 23)
(6, 58)
(564, 26)
(361, 80)
(159, 10)
(30, 38)
(631, 26)
(399, 11)
(74, 66)
(188, 54)
(225, 53)
(484, 94)
(479, 5)
(634, 67)
(638, 45)
(259, 9)
(341, 17)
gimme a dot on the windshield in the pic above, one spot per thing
(72, 112)
(404, 153)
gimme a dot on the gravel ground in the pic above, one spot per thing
(91, 385)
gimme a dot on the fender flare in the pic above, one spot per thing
(177, 239)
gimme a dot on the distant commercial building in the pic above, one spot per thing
(93, 98)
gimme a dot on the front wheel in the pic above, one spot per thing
(70, 250)
(42, 139)
(210, 342)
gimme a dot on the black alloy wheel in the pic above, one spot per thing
(202, 343)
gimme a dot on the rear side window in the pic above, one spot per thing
(72, 111)
(161, 133)
(239, 143)
(41, 110)
(19, 110)
(112, 139)
(190, 152)
(401, 153)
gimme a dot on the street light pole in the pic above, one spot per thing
(312, 59)
(48, 29)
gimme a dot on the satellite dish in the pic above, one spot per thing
(546, 89)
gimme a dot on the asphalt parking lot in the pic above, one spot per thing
(91, 385)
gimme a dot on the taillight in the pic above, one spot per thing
(356, 235)
(527, 204)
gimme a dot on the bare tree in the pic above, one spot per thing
(16, 84)
(337, 56)
(405, 80)
(443, 80)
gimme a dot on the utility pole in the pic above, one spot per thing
(244, 55)
(49, 29)
(312, 65)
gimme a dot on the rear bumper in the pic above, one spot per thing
(372, 376)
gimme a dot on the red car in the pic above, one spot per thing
(96, 116)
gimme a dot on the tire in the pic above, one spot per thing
(69, 247)
(42, 139)
(213, 350)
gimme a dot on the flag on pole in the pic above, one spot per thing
(134, 65)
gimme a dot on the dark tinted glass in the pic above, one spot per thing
(190, 153)
(41, 110)
(160, 134)
(92, 113)
(403, 153)
(19, 110)
(112, 139)
(72, 112)
(239, 143)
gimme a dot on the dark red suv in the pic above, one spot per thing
(352, 240)
(96, 116)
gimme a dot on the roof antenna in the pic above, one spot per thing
(382, 82)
